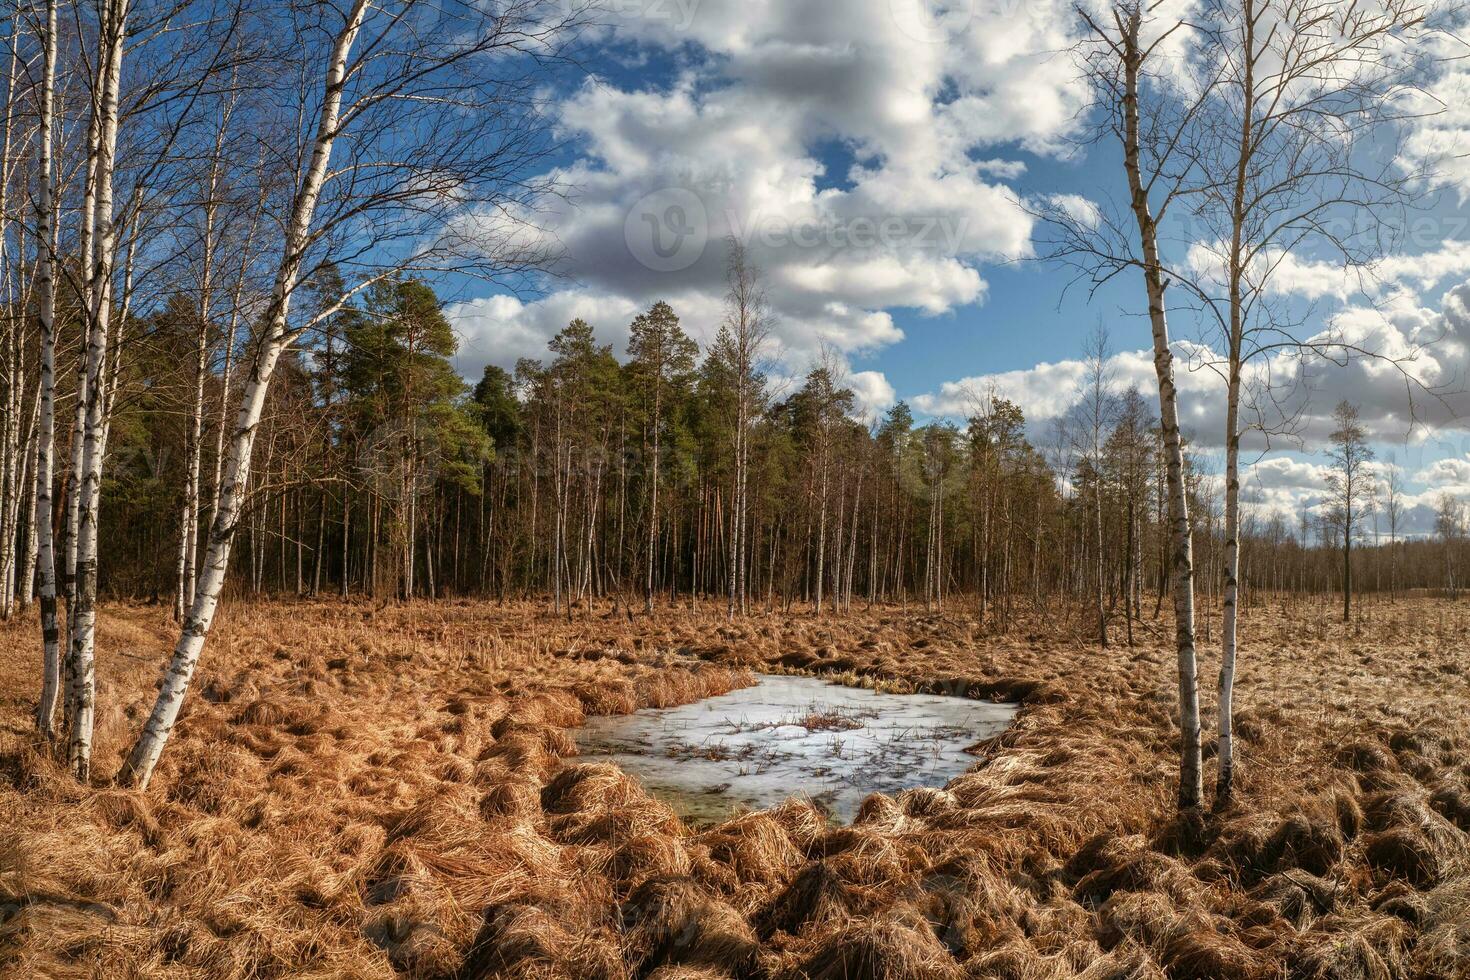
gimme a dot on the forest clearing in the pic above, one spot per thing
(378, 791)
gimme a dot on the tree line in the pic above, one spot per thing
(614, 476)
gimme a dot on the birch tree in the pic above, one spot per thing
(112, 33)
(739, 346)
(1302, 87)
(1448, 527)
(160, 102)
(1126, 55)
(1393, 509)
(46, 321)
(212, 227)
(13, 448)
(416, 145)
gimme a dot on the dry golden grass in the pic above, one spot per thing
(379, 792)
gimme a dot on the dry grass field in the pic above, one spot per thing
(380, 792)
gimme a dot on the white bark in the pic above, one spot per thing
(194, 433)
(27, 574)
(138, 769)
(86, 246)
(227, 376)
(11, 467)
(1191, 789)
(1225, 739)
(46, 448)
(89, 490)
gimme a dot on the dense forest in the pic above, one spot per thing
(383, 473)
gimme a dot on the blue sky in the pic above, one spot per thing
(881, 158)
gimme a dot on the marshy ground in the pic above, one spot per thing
(360, 791)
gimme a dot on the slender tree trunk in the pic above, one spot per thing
(138, 769)
(1191, 789)
(1129, 575)
(736, 522)
(653, 468)
(1102, 613)
(318, 554)
(1225, 745)
(193, 436)
(346, 541)
(31, 554)
(87, 248)
(13, 467)
(821, 524)
(46, 449)
(1225, 742)
(79, 751)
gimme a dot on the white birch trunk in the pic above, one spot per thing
(1225, 744)
(12, 466)
(46, 446)
(227, 377)
(194, 436)
(138, 769)
(89, 490)
(27, 584)
(1225, 756)
(1225, 761)
(86, 247)
(1191, 788)
(10, 471)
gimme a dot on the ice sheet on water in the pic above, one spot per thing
(793, 735)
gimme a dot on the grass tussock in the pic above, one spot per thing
(358, 791)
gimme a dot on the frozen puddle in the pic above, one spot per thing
(793, 735)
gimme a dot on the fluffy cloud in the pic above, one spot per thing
(1399, 416)
(1047, 391)
(739, 142)
(873, 394)
(503, 329)
(1290, 487)
(1414, 387)
(1440, 136)
(1286, 473)
(1293, 275)
(1450, 475)
(863, 151)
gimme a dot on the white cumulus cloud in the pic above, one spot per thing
(919, 103)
